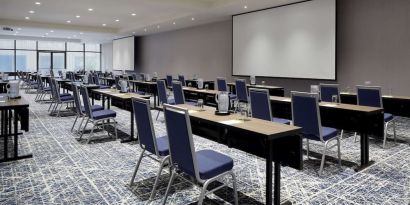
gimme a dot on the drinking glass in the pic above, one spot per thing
(200, 104)
(335, 99)
(206, 86)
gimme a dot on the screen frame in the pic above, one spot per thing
(294, 78)
(135, 53)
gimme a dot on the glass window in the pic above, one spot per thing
(92, 47)
(26, 44)
(6, 44)
(75, 46)
(58, 61)
(92, 61)
(44, 61)
(51, 45)
(6, 61)
(26, 61)
(75, 61)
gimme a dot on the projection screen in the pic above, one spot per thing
(292, 41)
(124, 54)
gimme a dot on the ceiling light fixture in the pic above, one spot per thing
(81, 33)
(52, 31)
(78, 16)
(245, 7)
(158, 26)
(117, 20)
(90, 9)
(17, 32)
(145, 30)
(68, 21)
(133, 14)
(174, 23)
(32, 12)
(193, 19)
(27, 18)
(104, 24)
(38, 3)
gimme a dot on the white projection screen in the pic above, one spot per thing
(291, 41)
(124, 53)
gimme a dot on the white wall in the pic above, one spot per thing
(106, 57)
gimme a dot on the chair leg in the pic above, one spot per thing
(115, 129)
(235, 191)
(394, 131)
(136, 168)
(153, 192)
(322, 163)
(339, 154)
(157, 114)
(385, 134)
(81, 123)
(85, 126)
(355, 137)
(50, 106)
(341, 134)
(307, 146)
(203, 192)
(75, 121)
(91, 134)
(173, 173)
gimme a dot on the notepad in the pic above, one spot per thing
(192, 111)
(231, 122)
(330, 105)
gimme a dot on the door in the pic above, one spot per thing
(51, 60)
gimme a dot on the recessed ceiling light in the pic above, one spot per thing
(158, 26)
(193, 19)
(19, 29)
(27, 18)
(81, 33)
(145, 30)
(38, 3)
(174, 23)
(90, 9)
(104, 24)
(52, 31)
(245, 7)
(32, 12)
(117, 20)
(133, 14)
(68, 21)
(15, 34)
(77, 16)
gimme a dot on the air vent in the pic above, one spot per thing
(7, 29)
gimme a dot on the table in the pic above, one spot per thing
(148, 87)
(362, 119)
(194, 83)
(273, 90)
(207, 95)
(61, 83)
(275, 142)
(108, 81)
(396, 105)
(12, 111)
(123, 101)
(3, 86)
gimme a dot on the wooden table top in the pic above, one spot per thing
(267, 128)
(212, 92)
(384, 96)
(143, 82)
(116, 93)
(259, 86)
(334, 105)
(6, 103)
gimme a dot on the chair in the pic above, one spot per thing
(261, 107)
(79, 109)
(205, 166)
(42, 91)
(242, 94)
(371, 96)
(169, 81)
(59, 98)
(117, 82)
(152, 147)
(327, 91)
(162, 95)
(179, 96)
(306, 114)
(223, 87)
(96, 117)
(96, 80)
(181, 78)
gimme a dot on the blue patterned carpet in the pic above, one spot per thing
(67, 171)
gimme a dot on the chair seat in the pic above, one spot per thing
(139, 92)
(211, 163)
(102, 114)
(191, 103)
(327, 132)
(232, 96)
(66, 98)
(93, 108)
(104, 87)
(65, 94)
(163, 146)
(388, 117)
(171, 101)
(281, 120)
(47, 89)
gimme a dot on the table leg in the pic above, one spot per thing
(4, 132)
(108, 102)
(269, 159)
(131, 138)
(277, 183)
(92, 97)
(103, 101)
(364, 152)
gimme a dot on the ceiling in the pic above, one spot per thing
(110, 19)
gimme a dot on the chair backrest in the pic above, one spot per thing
(77, 100)
(221, 82)
(241, 90)
(178, 93)
(143, 119)
(169, 80)
(117, 82)
(53, 89)
(305, 114)
(260, 104)
(40, 82)
(96, 80)
(181, 79)
(369, 96)
(329, 90)
(86, 101)
(90, 78)
(162, 91)
(181, 146)
(56, 88)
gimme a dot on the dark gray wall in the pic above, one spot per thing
(373, 44)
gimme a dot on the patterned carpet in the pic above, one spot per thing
(67, 171)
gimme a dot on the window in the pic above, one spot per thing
(92, 61)
(26, 61)
(51, 46)
(6, 44)
(75, 46)
(75, 61)
(26, 44)
(92, 47)
(6, 60)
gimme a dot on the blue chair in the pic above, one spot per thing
(152, 147)
(162, 95)
(117, 82)
(42, 91)
(58, 98)
(179, 96)
(79, 109)
(169, 81)
(371, 96)
(242, 95)
(96, 80)
(181, 79)
(327, 91)
(105, 117)
(306, 114)
(261, 107)
(205, 166)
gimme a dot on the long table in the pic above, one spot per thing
(148, 87)
(207, 95)
(362, 119)
(120, 100)
(12, 111)
(194, 83)
(275, 142)
(273, 90)
(396, 105)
